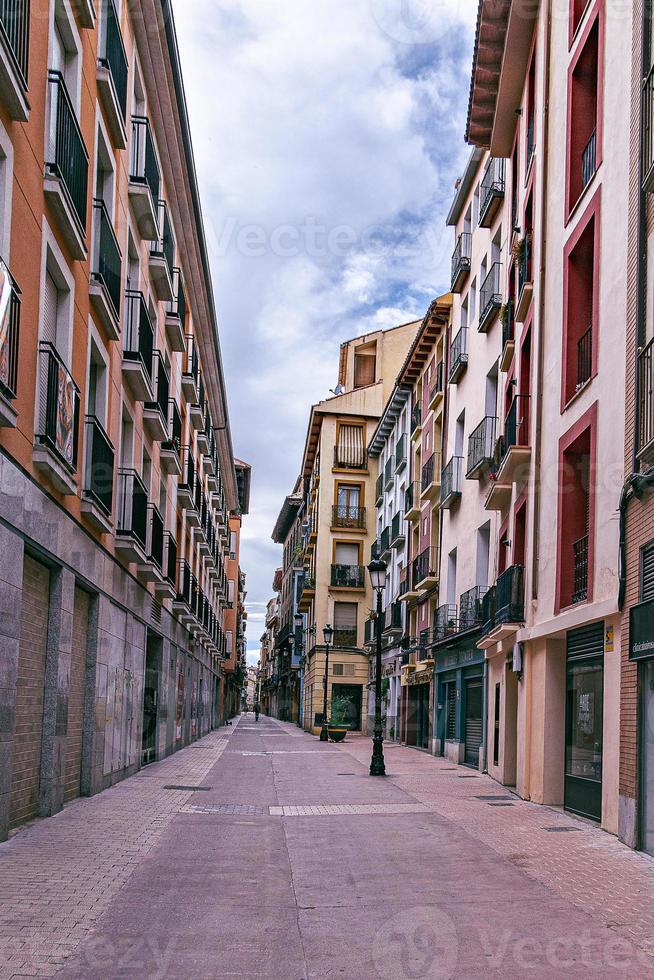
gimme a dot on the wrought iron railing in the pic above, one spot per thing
(191, 359)
(416, 417)
(437, 387)
(508, 323)
(461, 256)
(345, 636)
(458, 352)
(470, 608)
(379, 489)
(106, 259)
(589, 160)
(385, 541)
(348, 515)
(67, 157)
(388, 473)
(397, 528)
(155, 537)
(170, 560)
(114, 57)
(412, 497)
(139, 332)
(445, 622)
(400, 452)
(524, 263)
(645, 412)
(9, 340)
(189, 473)
(490, 294)
(15, 28)
(174, 441)
(531, 137)
(99, 468)
(492, 184)
(430, 474)
(585, 357)
(132, 516)
(580, 560)
(393, 616)
(177, 306)
(164, 245)
(516, 427)
(451, 479)
(425, 566)
(504, 601)
(58, 407)
(481, 444)
(348, 576)
(184, 583)
(144, 166)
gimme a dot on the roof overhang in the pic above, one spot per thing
(464, 185)
(435, 321)
(287, 515)
(398, 399)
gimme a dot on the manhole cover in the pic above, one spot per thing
(562, 830)
(190, 789)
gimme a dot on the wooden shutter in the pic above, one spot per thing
(364, 370)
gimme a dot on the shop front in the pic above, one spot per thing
(641, 651)
(584, 721)
(417, 686)
(460, 714)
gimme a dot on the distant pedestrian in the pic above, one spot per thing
(256, 712)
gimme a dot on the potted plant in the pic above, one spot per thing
(337, 725)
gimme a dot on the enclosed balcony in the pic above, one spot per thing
(9, 344)
(507, 317)
(144, 179)
(425, 569)
(57, 429)
(191, 370)
(112, 74)
(400, 454)
(166, 588)
(138, 349)
(451, 482)
(176, 315)
(155, 413)
(66, 167)
(187, 480)
(349, 516)
(503, 607)
(98, 485)
(398, 531)
(162, 256)
(14, 57)
(490, 297)
(170, 450)
(458, 355)
(348, 577)
(106, 271)
(131, 517)
(437, 389)
(430, 482)
(481, 448)
(151, 570)
(524, 259)
(491, 192)
(461, 261)
(512, 454)
(412, 504)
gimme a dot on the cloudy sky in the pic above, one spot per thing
(328, 135)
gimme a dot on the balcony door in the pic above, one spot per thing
(348, 502)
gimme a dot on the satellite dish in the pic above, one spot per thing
(338, 390)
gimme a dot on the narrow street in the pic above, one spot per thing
(260, 852)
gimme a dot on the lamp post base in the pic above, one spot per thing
(324, 734)
(377, 764)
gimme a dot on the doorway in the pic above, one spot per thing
(647, 757)
(473, 721)
(352, 693)
(151, 699)
(584, 735)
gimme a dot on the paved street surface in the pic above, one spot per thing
(260, 852)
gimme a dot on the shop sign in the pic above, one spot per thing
(609, 639)
(641, 631)
(421, 676)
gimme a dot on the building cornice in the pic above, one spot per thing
(399, 397)
(464, 185)
(436, 319)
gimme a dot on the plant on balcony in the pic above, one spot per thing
(518, 249)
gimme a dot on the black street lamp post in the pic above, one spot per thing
(377, 570)
(328, 634)
(298, 620)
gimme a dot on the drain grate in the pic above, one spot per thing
(562, 830)
(190, 789)
(500, 804)
(468, 777)
(346, 773)
(496, 797)
(230, 809)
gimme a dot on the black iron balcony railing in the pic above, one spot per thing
(580, 559)
(470, 608)
(481, 445)
(416, 417)
(385, 541)
(508, 323)
(9, 338)
(106, 259)
(15, 28)
(458, 353)
(184, 583)
(374, 550)
(524, 262)
(437, 387)
(388, 473)
(504, 602)
(490, 295)
(114, 57)
(405, 582)
(170, 563)
(430, 472)
(161, 386)
(461, 257)
(67, 156)
(589, 160)
(191, 359)
(445, 622)
(425, 566)
(174, 441)
(348, 515)
(345, 636)
(188, 478)
(516, 427)
(393, 617)
(164, 245)
(412, 498)
(307, 583)
(400, 452)
(369, 631)
(58, 407)
(132, 516)
(379, 489)
(647, 135)
(139, 332)
(585, 357)
(645, 408)
(397, 528)
(348, 576)
(155, 537)
(492, 185)
(144, 166)
(531, 137)
(177, 306)
(99, 468)
(350, 457)
(451, 479)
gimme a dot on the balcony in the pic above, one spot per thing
(132, 517)
(191, 371)
(647, 116)
(389, 471)
(348, 577)
(503, 610)
(400, 454)
(437, 389)
(416, 421)
(585, 358)
(185, 590)
(491, 193)
(155, 413)
(106, 271)
(166, 587)
(55, 450)
(451, 482)
(196, 409)
(176, 315)
(14, 57)
(307, 591)
(412, 505)
(348, 516)
(461, 261)
(645, 406)
(398, 531)
(144, 179)
(393, 618)
(458, 355)
(512, 454)
(580, 563)
(471, 608)
(430, 482)
(345, 636)
(385, 543)
(162, 256)
(112, 74)
(170, 450)
(425, 569)
(98, 486)
(205, 435)
(138, 350)
(507, 317)
(490, 297)
(151, 570)
(350, 457)
(589, 161)
(379, 489)
(406, 591)
(445, 623)
(524, 260)
(481, 448)
(9, 343)
(186, 484)
(66, 167)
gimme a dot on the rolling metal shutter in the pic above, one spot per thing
(26, 763)
(647, 573)
(76, 690)
(586, 642)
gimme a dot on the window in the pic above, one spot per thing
(483, 553)
(96, 400)
(345, 623)
(365, 364)
(530, 134)
(580, 260)
(577, 8)
(343, 670)
(350, 447)
(472, 295)
(346, 553)
(231, 588)
(451, 578)
(146, 470)
(232, 545)
(576, 512)
(647, 573)
(56, 320)
(582, 150)
(126, 440)
(475, 207)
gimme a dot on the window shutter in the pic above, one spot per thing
(350, 446)
(345, 615)
(347, 554)
(364, 370)
(647, 573)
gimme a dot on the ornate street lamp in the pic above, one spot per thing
(328, 636)
(298, 621)
(377, 571)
